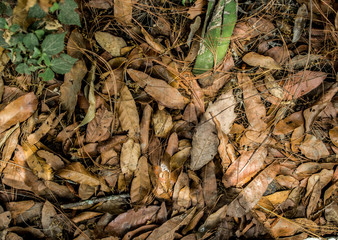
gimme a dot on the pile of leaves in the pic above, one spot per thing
(130, 144)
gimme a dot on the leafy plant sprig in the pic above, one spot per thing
(39, 49)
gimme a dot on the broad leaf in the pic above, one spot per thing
(63, 64)
(31, 41)
(3, 23)
(36, 12)
(53, 43)
(67, 13)
(23, 68)
(47, 75)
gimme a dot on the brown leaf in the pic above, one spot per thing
(181, 194)
(209, 184)
(144, 128)
(300, 61)
(83, 216)
(128, 114)
(253, 192)
(71, 86)
(213, 219)
(38, 165)
(152, 42)
(300, 22)
(288, 124)
(77, 172)
(86, 191)
(179, 158)
(196, 9)
(53, 160)
(110, 43)
(279, 54)
(313, 148)
(167, 230)
(162, 123)
(50, 226)
(98, 129)
(140, 186)
(158, 89)
(131, 219)
(114, 82)
(130, 154)
(303, 82)
(75, 45)
(257, 60)
(18, 111)
(245, 167)
(9, 148)
(42, 130)
(309, 168)
(283, 227)
(334, 135)
(254, 108)
(100, 4)
(123, 11)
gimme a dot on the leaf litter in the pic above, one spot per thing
(141, 148)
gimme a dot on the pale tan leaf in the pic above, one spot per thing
(144, 128)
(130, 154)
(53, 160)
(86, 191)
(17, 208)
(128, 114)
(167, 230)
(313, 148)
(123, 10)
(114, 82)
(245, 167)
(253, 192)
(277, 197)
(179, 158)
(300, 61)
(71, 86)
(254, 108)
(110, 43)
(158, 89)
(51, 227)
(75, 45)
(42, 130)
(140, 186)
(180, 199)
(18, 111)
(9, 148)
(196, 9)
(98, 129)
(152, 42)
(162, 123)
(309, 168)
(77, 172)
(334, 135)
(273, 86)
(83, 216)
(282, 227)
(257, 60)
(289, 123)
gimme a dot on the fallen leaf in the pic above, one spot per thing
(77, 172)
(196, 9)
(162, 123)
(209, 184)
(140, 186)
(48, 220)
(101, 4)
(309, 168)
(272, 86)
(279, 53)
(85, 191)
(287, 181)
(158, 89)
(278, 197)
(98, 129)
(110, 43)
(288, 124)
(245, 167)
(213, 220)
(71, 87)
(300, 61)
(152, 42)
(313, 148)
(83, 216)
(302, 82)
(18, 111)
(282, 227)
(300, 21)
(130, 154)
(9, 148)
(257, 60)
(181, 193)
(42, 130)
(144, 128)
(76, 45)
(131, 219)
(334, 135)
(128, 114)
(123, 11)
(114, 82)
(253, 192)
(179, 158)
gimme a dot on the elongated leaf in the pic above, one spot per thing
(78, 173)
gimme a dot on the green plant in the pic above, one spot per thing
(38, 48)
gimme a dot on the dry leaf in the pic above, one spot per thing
(42, 130)
(9, 148)
(158, 89)
(288, 124)
(162, 123)
(284, 227)
(273, 86)
(179, 158)
(300, 61)
(213, 220)
(98, 129)
(128, 114)
(302, 82)
(209, 184)
(196, 9)
(71, 86)
(100, 4)
(300, 22)
(110, 43)
(77, 172)
(140, 186)
(334, 135)
(123, 11)
(144, 128)
(18, 111)
(50, 226)
(245, 167)
(257, 60)
(254, 108)
(309, 168)
(313, 148)
(76, 45)
(114, 82)
(181, 194)
(253, 192)
(152, 42)
(130, 154)
(85, 216)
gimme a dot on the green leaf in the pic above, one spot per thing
(3, 43)
(63, 64)
(55, 7)
(16, 38)
(33, 68)
(67, 13)
(31, 41)
(39, 33)
(3, 23)
(53, 44)
(47, 75)
(5, 8)
(36, 12)
(36, 53)
(14, 28)
(44, 57)
(18, 58)
(32, 61)
(23, 68)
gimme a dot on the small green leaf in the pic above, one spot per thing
(39, 33)
(47, 75)
(5, 8)
(16, 38)
(55, 7)
(32, 61)
(31, 41)
(36, 53)
(3, 23)
(3, 43)
(67, 13)
(44, 57)
(14, 28)
(23, 68)
(63, 64)
(36, 12)
(18, 58)
(22, 47)
(53, 44)
(33, 68)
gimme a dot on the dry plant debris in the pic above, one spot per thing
(130, 144)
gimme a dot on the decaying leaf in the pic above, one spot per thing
(300, 22)
(196, 9)
(110, 43)
(334, 135)
(75, 45)
(290, 123)
(158, 89)
(179, 158)
(313, 148)
(309, 168)
(9, 148)
(123, 11)
(42, 131)
(162, 122)
(213, 219)
(18, 111)
(257, 60)
(128, 114)
(140, 186)
(144, 128)
(209, 184)
(78, 173)
(98, 129)
(130, 154)
(48, 220)
(253, 192)
(101, 4)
